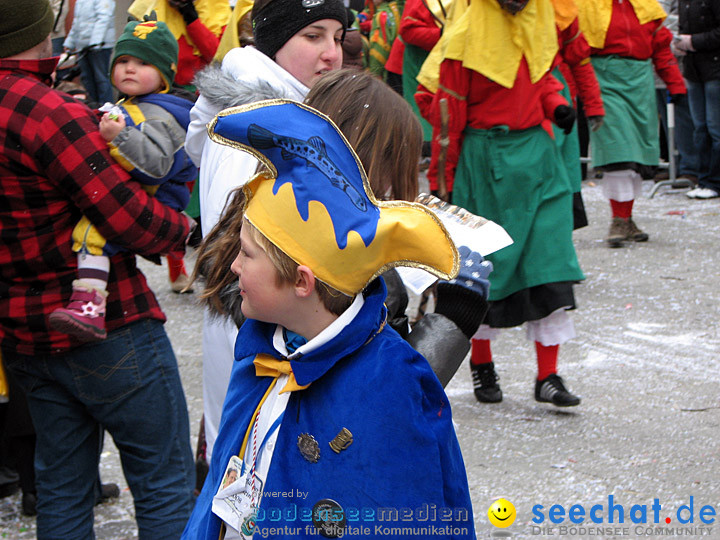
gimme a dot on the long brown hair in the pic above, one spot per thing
(378, 124)
(387, 138)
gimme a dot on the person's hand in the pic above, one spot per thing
(675, 50)
(684, 42)
(474, 271)
(678, 99)
(463, 300)
(192, 224)
(565, 118)
(186, 9)
(595, 122)
(111, 126)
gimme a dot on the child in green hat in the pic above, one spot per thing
(146, 135)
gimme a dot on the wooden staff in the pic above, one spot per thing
(444, 143)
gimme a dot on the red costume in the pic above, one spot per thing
(477, 102)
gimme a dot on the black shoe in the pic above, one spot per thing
(485, 383)
(107, 492)
(552, 390)
(29, 504)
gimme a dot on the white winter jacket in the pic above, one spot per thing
(246, 76)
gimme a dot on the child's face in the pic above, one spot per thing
(263, 299)
(313, 51)
(135, 77)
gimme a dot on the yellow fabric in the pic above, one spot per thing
(214, 14)
(566, 11)
(404, 232)
(492, 42)
(594, 17)
(140, 7)
(230, 39)
(4, 390)
(436, 9)
(267, 366)
(86, 236)
(429, 75)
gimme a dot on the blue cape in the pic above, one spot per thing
(403, 471)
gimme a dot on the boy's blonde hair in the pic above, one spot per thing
(333, 300)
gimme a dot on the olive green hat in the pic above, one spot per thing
(24, 26)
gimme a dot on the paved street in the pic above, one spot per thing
(646, 362)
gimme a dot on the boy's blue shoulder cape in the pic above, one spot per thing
(403, 469)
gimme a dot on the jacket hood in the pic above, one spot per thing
(223, 90)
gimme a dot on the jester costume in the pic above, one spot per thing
(627, 39)
(502, 158)
(420, 29)
(503, 164)
(574, 70)
(383, 31)
(357, 397)
(403, 426)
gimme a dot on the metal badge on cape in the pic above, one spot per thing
(308, 447)
(341, 441)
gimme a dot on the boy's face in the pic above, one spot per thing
(263, 298)
(135, 77)
(313, 51)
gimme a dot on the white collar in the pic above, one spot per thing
(330, 331)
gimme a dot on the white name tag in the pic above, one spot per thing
(238, 497)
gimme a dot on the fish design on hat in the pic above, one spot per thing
(313, 151)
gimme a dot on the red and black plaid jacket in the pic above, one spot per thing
(55, 167)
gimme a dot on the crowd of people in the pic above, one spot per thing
(292, 131)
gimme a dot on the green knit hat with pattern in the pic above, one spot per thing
(23, 25)
(152, 42)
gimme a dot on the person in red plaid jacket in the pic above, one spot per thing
(54, 168)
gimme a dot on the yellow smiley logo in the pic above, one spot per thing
(501, 513)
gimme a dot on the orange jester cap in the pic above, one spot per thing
(314, 200)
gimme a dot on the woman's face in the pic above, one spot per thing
(313, 51)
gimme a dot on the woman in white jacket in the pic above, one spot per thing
(93, 33)
(295, 45)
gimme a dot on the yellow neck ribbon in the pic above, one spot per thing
(267, 366)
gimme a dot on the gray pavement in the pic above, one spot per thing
(646, 362)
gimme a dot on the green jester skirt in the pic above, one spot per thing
(630, 131)
(516, 178)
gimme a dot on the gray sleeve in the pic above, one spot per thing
(442, 343)
(151, 148)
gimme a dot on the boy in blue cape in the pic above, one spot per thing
(147, 137)
(333, 425)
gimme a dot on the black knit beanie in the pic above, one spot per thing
(276, 21)
(23, 25)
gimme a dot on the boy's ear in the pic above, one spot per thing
(304, 281)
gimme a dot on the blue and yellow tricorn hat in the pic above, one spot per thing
(314, 201)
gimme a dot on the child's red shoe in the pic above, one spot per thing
(84, 317)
